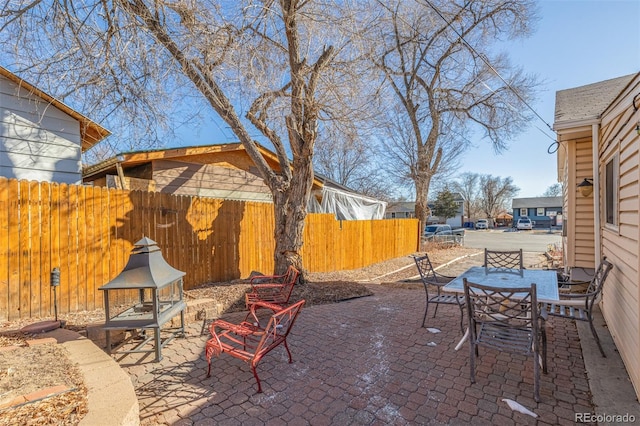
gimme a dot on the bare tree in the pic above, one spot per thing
(435, 58)
(280, 67)
(349, 158)
(554, 190)
(467, 186)
(495, 194)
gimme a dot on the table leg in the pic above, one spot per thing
(463, 339)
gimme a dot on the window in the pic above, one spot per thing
(611, 191)
(540, 211)
(523, 212)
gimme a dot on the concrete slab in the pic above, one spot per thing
(613, 393)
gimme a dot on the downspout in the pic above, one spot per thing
(595, 137)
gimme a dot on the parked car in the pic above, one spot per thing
(524, 223)
(443, 233)
(482, 224)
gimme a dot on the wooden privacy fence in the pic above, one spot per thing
(88, 232)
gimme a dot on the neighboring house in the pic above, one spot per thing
(41, 138)
(406, 209)
(400, 210)
(222, 171)
(598, 127)
(544, 211)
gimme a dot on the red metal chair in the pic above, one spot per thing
(249, 342)
(273, 290)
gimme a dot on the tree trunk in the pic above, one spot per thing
(290, 214)
(422, 208)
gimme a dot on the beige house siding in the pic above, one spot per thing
(583, 252)
(621, 243)
(209, 180)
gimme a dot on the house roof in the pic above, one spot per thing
(90, 132)
(401, 207)
(199, 154)
(588, 102)
(518, 203)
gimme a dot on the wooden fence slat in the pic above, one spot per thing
(89, 245)
(104, 259)
(64, 290)
(14, 250)
(56, 261)
(25, 251)
(35, 235)
(76, 293)
(4, 248)
(46, 307)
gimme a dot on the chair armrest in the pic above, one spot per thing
(242, 329)
(574, 287)
(265, 286)
(439, 275)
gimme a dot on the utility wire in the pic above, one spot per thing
(486, 61)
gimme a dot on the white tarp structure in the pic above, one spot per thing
(347, 205)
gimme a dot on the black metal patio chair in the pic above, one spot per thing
(430, 277)
(503, 260)
(506, 319)
(574, 305)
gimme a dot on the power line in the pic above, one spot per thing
(486, 61)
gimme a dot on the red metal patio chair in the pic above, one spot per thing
(249, 342)
(272, 291)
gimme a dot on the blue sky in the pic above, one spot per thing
(576, 42)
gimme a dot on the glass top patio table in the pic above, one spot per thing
(546, 281)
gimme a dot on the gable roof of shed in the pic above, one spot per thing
(90, 132)
(588, 102)
(198, 154)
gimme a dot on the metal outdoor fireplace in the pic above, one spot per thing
(157, 290)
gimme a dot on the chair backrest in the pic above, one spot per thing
(289, 280)
(503, 259)
(597, 282)
(278, 327)
(501, 308)
(504, 305)
(427, 273)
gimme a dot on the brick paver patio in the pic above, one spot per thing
(365, 361)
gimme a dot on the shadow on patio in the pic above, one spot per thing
(364, 361)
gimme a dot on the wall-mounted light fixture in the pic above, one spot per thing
(586, 187)
(638, 128)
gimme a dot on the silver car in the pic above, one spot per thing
(524, 223)
(482, 224)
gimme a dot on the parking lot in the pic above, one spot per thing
(508, 239)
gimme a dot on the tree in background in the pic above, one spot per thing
(278, 68)
(495, 194)
(440, 72)
(445, 205)
(467, 186)
(554, 190)
(347, 158)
